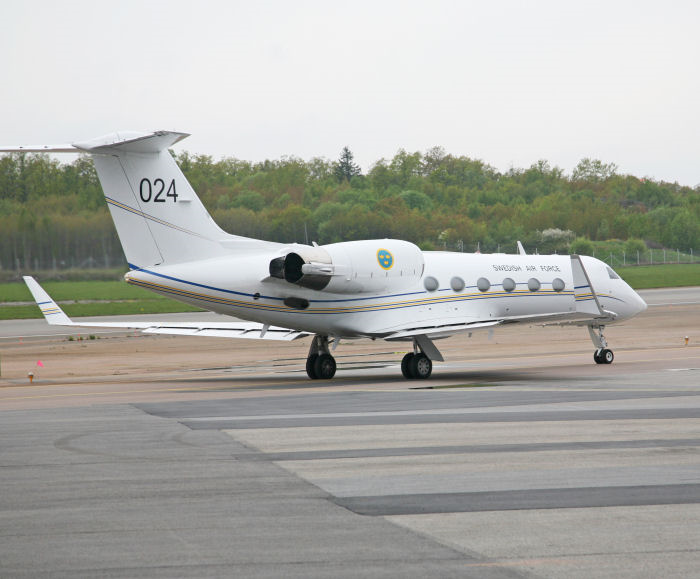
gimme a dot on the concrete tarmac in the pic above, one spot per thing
(179, 457)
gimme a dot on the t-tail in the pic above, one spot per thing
(158, 216)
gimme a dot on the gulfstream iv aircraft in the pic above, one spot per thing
(379, 288)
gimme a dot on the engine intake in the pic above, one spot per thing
(312, 269)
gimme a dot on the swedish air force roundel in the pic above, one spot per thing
(385, 259)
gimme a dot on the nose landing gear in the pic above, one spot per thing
(602, 354)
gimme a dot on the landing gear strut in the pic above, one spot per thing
(416, 364)
(602, 354)
(320, 365)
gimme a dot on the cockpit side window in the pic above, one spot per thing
(612, 274)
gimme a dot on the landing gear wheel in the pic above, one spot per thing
(310, 363)
(421, 367)
(324, 367)
(603, 356)
(406, 365)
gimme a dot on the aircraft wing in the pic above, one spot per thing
(447, 327)
(441, 329)
(602, 319)
(234, 329)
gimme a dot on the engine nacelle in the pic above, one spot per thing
(351, 267)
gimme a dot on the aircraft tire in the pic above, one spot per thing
(597, 356)
(310, 366)
(421, 366)
(324, 367)
(607, 356)
(406, 366)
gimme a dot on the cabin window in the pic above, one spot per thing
(508, 284)
(483, 284)
(430, 283)
(457, 284)
(558, 284)
(533, 284)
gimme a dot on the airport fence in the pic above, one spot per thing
(649, 257)
(619, 258)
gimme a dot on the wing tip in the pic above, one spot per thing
(52, 312)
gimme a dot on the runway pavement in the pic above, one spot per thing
(518, 460)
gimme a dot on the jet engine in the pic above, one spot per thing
(351, 267)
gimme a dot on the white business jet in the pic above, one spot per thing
(380, 288)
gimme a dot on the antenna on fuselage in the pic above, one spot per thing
(521, 249)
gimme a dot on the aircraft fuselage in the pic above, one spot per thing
(518, 285)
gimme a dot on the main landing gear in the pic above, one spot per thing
(602, 354)
(416, 364)
(320, 365)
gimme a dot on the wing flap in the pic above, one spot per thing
(248, 331)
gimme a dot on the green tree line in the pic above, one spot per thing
(53, 215)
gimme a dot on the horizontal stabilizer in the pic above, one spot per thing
(126, 141)
(40, 149)
(133, 142)
(234, 329)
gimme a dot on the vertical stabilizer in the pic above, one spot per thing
(158, 216)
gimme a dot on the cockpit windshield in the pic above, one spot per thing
(612, 274)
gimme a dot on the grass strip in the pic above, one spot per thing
(78, 290)
(657, 276)
(163, 306)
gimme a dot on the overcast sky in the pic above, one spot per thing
(508, 82)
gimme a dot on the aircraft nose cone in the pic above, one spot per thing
(633, 302)
(639, 304)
